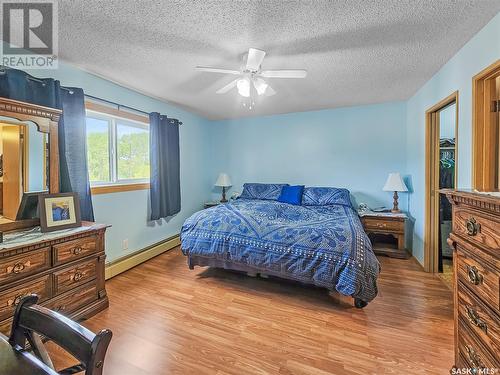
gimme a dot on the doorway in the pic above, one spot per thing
(441, 173)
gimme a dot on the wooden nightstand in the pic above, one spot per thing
(380, 226)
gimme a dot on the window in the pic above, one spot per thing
(98, 130)
(117, 148)
(132, 151)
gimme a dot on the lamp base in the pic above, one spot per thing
(223, 200)
(395, 208)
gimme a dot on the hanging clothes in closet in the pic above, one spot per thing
(446, 180)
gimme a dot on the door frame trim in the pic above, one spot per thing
(482, 161)
(431, 228)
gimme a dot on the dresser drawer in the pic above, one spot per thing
(380, 225)
(479, 319)
(18, 266)
(65, 304)
(71, 250)
(476, 227)
(10, 298)
(73, 300)
(71, 277)
(475, 355)
(5, 327)
(480, 278)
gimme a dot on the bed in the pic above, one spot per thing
(319, 242)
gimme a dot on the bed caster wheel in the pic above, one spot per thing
(359, 303)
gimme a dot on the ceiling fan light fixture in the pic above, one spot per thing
(251, 79)
(260, 86)
(243, 86)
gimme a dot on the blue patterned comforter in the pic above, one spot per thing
(321, 245)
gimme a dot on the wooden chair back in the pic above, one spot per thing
(31, 321)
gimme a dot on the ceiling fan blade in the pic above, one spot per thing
(296, 73)
(228, 87)
(269, 91)
(254, 59)
(216, 70)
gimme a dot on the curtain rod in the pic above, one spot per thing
(118, 105)
(100, 99)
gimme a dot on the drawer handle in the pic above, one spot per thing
(18, 267)
(76, 250)
(78, 276)
(473, 227)
(476, 320)
(381, 225)
(59, 308)
(17, 299)
(474, 276)
(474, 358)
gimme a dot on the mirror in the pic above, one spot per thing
(29, 161)
(24, 164)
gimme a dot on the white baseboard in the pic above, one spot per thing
(123, 264)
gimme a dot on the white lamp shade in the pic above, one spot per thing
(395, 183)
(223, 180)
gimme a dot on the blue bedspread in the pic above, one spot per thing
(321, 245)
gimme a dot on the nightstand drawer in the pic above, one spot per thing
(383, 224)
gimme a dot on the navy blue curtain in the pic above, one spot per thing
(74, 174)
(18, 85)
(164, 165)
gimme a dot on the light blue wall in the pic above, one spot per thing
(481, 51)
(353, 147)
(127, 212)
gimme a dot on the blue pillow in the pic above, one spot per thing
(261, 191)
(291, 194)
(320, 196)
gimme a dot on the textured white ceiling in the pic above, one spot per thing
(356, 52)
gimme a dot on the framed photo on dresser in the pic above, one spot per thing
(59, 211)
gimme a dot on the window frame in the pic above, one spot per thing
(113, 117)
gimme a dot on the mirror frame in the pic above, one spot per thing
(46, 119)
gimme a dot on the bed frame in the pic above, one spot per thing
(228, 265)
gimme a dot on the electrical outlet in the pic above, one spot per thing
(125, 244)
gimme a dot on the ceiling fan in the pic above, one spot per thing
(251, 75)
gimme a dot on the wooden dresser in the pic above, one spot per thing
(476, 243)
(65, 269)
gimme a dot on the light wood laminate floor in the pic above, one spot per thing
(167, 319)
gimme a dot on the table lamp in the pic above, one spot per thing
(223, 181)
(395, 183)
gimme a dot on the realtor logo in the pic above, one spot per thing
(29, 34)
